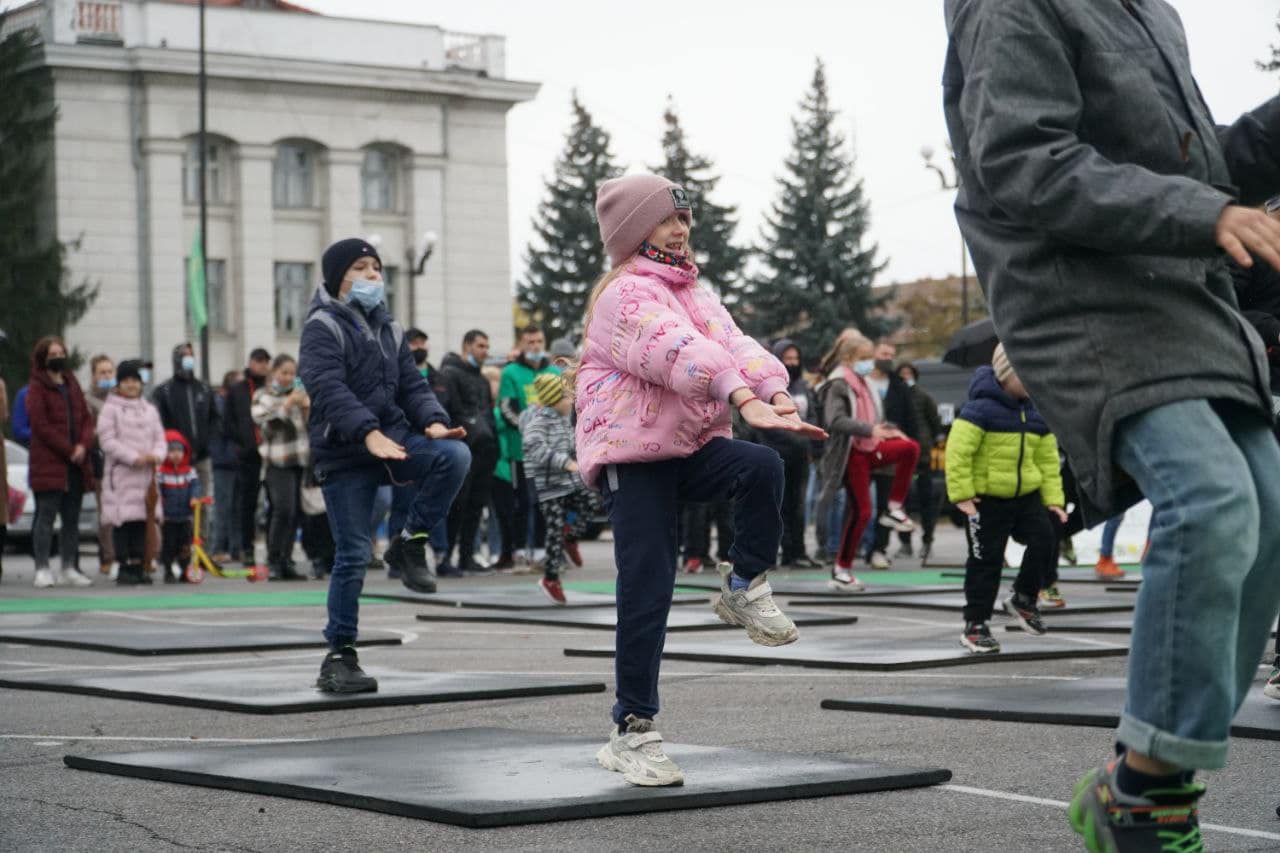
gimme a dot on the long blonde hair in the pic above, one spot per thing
(848, 343)
(594, 296)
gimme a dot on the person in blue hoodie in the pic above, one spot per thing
(374, 421)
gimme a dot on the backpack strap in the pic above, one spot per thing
(326, 319)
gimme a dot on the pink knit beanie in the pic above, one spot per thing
(629, 208)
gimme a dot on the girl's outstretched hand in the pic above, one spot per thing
(761, 415)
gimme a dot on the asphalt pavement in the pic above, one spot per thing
(1010, 782)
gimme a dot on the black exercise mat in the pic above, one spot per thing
(162, 638)
(820, 589)
(1085, 702)
(527, 597)
(873, 653)
(680, 619)
(1068, 575)
(953, 602)
(486, 777)
(1113, 625)
(291, 689)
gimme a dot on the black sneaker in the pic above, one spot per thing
(341, 673)
(1027, 613)
(977, 639)
(415, 563)
(1163, 820)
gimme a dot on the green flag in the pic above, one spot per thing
(195, 285)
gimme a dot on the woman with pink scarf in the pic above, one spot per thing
(861, 441)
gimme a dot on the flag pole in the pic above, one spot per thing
(204, 206)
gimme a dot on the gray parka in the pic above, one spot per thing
(1092, 179)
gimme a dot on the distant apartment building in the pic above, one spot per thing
(318, 128)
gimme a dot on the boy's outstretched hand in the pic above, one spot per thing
(439, 431)
(382, 447)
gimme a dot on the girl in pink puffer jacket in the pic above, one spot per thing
(132, 440)
(662, 362)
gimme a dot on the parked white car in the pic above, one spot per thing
(20, 528)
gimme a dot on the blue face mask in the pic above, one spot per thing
(145, 375)
(472, 360)
(106, 384)
(864, 367)
(189, 363)
(366, 293)
(911, 383)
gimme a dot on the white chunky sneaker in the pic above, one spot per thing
(880, 561)
(753, 608)
(45, 578)
(896, 519)
(73, 577)
(843, 580)
(638, 755)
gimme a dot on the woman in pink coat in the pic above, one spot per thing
(662, 362)
(132, 440)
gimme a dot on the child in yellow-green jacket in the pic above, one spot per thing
(1003, 473)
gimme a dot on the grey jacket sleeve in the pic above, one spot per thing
(1022, 108)
(1251, 147)
(837, 412)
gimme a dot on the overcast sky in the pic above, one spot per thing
(737, 71)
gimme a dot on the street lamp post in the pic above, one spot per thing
(417, 258)
(951, 182)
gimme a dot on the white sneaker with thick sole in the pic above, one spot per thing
(74, 577)
(1272, 689)
(753, 608)
(45, 578)
(880, 561)
(842, 580)
(638, 756)
(896, 519)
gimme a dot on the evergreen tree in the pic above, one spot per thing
(816, 267)
(1273, 63)
(719, 260)
(567, 257)
(33, 277)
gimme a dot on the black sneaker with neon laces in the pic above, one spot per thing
(1162, 820)
(1027, 613)
(977, 639)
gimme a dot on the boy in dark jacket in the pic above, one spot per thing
(374, 422)
(179, 486)
(548, 444)
(1002, 472)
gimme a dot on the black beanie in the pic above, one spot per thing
(339, 257)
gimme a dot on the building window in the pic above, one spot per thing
(389, 288)
(379, 176)
(293, 286)
(215, 282)
(215, 177)
(294, 175)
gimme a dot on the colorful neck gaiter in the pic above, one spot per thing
(653, 253)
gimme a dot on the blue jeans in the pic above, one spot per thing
(1211, 581)
(226, 513)
(436, 467)
(1109, 531)
(643, 500)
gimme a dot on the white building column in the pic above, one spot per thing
(169, 246)
(426, 213)
(345, 199)
(253, 278)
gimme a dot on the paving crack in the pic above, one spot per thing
(120, 817)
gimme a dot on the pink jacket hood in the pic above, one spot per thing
(660, 358)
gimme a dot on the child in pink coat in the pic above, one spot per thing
(662, 364)
(133, 444)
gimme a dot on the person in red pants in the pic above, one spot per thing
(861, 441)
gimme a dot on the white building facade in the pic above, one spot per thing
(319, 128)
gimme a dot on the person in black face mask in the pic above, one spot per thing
(900, 411)
(797, 453)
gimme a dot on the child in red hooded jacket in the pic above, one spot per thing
(179, 486)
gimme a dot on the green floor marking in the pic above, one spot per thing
(167, 601)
